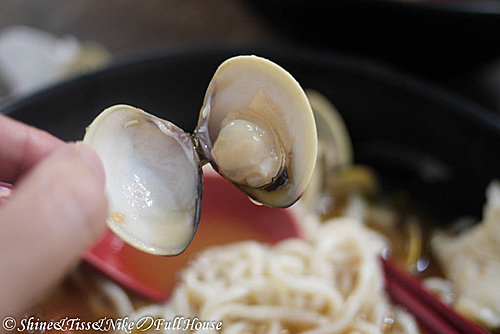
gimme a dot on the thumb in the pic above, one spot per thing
(56, 212)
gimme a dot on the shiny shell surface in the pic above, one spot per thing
(271, 101)
(153, 179)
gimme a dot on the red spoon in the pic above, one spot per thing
(227, 216)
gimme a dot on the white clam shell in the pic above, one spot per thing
(153, 179)
(332, 131)
(334, 150)
(234, 86)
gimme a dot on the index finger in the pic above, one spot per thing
(21, 147)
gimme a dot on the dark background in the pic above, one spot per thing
(453, 43)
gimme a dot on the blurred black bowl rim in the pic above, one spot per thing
(464, 8)
(377, 70)
(467, 7)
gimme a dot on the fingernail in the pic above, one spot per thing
(90, 157)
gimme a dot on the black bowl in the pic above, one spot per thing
(440, 148)
(434, 37)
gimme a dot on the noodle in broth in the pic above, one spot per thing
(330, 283)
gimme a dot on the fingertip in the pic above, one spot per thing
(58, 209)
(91, 159)
(69, 188)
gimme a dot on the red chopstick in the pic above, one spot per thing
(432, 314)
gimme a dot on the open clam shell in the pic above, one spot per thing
(254, 106)
(256, 128)
(153, 179)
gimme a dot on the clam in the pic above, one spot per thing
(335, 178)
(153, 178)
(333, 137)
(255, 128)
(334, 152)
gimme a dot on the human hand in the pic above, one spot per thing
(57, 210)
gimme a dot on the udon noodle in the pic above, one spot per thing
(330, 283)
